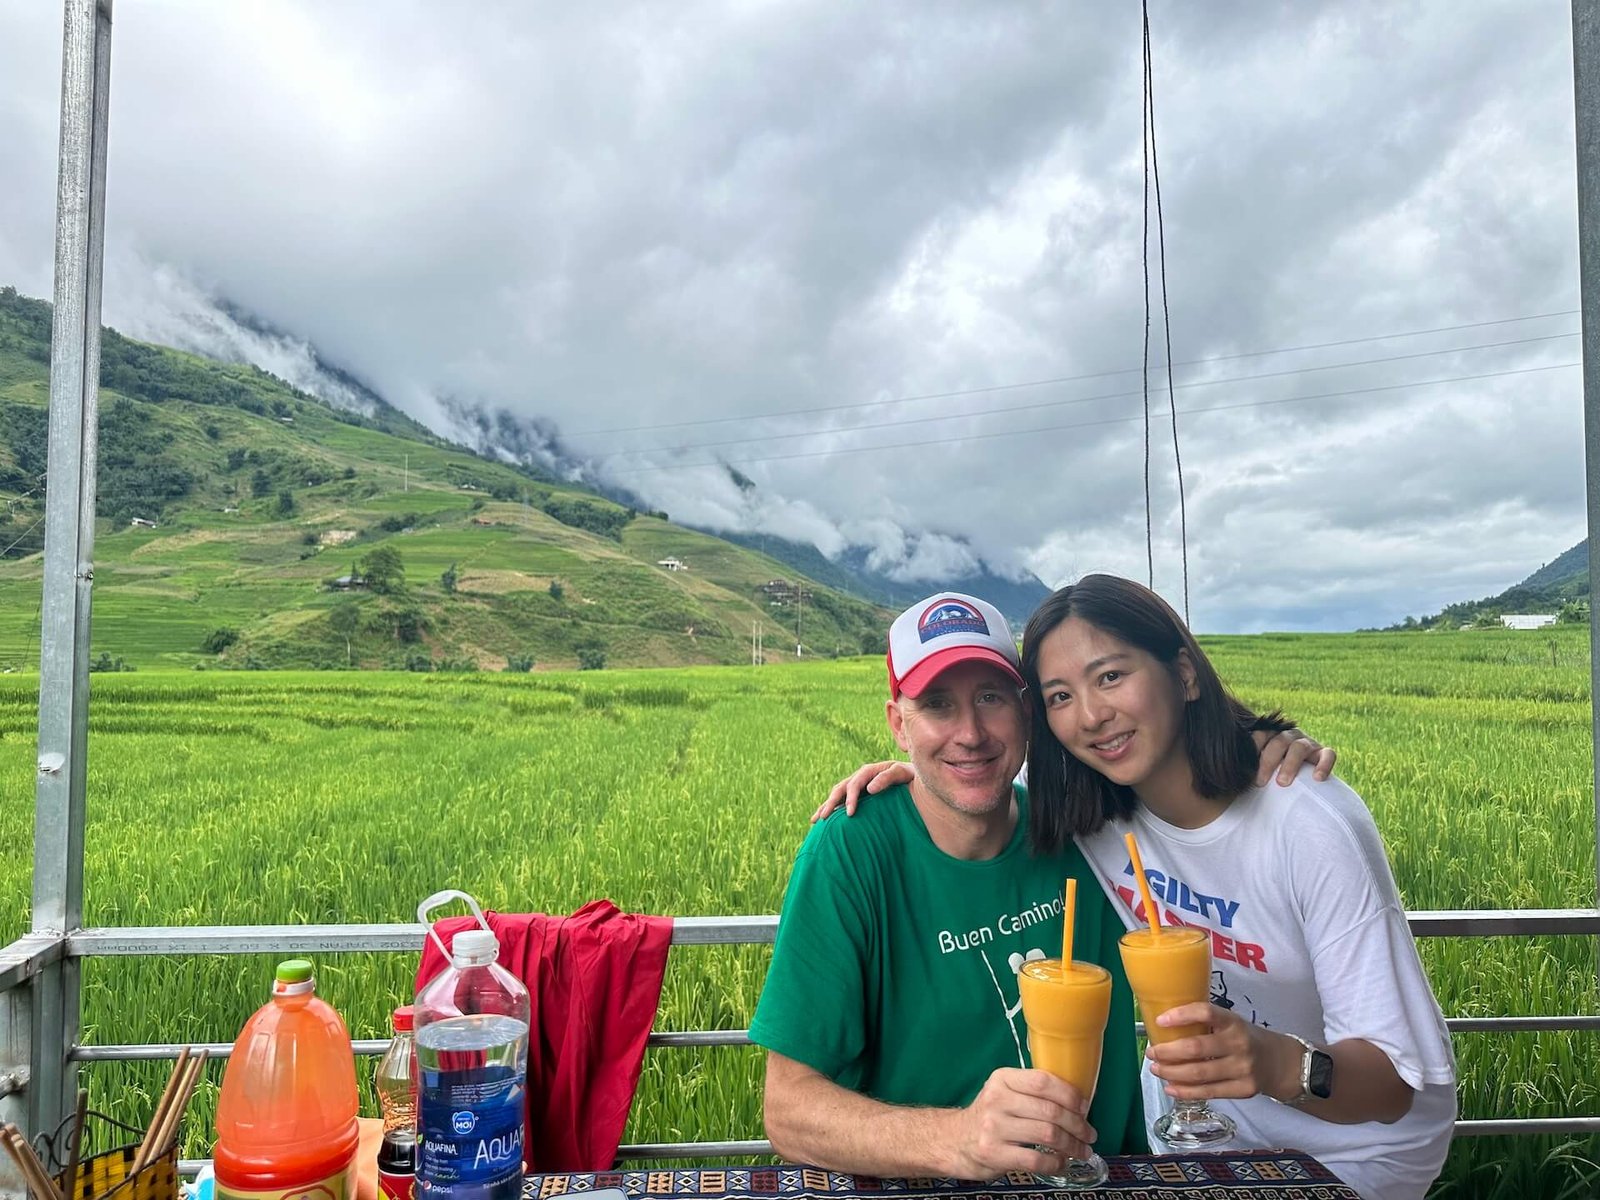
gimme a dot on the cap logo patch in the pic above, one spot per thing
(949, 617)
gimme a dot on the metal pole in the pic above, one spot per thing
(69, 549)
(1586, 110)
(16, 1044)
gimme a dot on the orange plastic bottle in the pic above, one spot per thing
(286, 1118)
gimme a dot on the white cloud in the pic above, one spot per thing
(692, 217)
(156, 304)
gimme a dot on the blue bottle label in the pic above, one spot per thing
(471, 1123)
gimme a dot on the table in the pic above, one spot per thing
(1229, 1175)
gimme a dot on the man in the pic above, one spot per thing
(891, 1017)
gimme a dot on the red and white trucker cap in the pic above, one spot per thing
(935, 634)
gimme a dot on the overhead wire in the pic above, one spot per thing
(22, 537)
(978, 437)
(1144, 257)
(11, 503)
(1073, 401)
(33, 491)
(1059, 379)
(1166, 315)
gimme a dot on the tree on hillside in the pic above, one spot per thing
(591, 654)
(219, 639)
(345, 620)
(385, 571)
(405, 620)
(285, 503)
(449, 578)
(137, 472)
(601, 518)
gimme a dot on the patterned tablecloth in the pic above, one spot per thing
(1239, 1175)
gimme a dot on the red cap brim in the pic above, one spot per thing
(925, 672)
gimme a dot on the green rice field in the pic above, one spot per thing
(258, 797)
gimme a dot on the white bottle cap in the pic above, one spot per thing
(474, 948)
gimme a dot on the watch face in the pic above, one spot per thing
(1320, 1083)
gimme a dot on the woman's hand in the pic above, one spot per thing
(872, 779)
(1237, 1060)
(1233, 1061)
(1286, 752)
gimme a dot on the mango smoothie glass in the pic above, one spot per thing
(1066, 1011)
(1166, 968)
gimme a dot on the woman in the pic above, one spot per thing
(1323, 1032)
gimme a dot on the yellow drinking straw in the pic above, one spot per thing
(1151, 913)
(1066, 931)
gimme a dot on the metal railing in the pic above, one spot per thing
(28, 957)
(40, 1002)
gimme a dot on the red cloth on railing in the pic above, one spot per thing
(595, 981)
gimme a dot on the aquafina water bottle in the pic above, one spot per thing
(472, 1064)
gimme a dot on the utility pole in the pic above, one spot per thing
(799, 610)
(1586, 111)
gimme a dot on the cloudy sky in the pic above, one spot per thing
(885, 259)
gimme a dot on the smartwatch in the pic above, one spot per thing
(1316, 1073)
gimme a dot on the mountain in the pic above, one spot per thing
(1568, 572)
(512, 437)
(1560, 587)
(851, 573)
(233, 506)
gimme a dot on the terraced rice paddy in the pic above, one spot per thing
(261, 797)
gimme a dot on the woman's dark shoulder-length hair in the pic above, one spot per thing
(1067, 797)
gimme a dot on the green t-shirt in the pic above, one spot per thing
(894, 972)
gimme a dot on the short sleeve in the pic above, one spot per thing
(1369, 978)
(814, 1002)
(1373, 987)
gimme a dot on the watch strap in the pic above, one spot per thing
(1308, 1051)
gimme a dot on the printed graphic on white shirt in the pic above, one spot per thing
(1194, 908)
(1199, 909)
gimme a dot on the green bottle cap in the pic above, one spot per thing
(294, 970)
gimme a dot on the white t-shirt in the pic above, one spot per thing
(1308, 937)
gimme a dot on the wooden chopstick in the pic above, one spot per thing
(28, 1163)
(147, 1147)
(69, 1182)
(168, 1132)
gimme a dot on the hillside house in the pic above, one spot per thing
(1527, 620)
(141, 523)
(348, 583)
(672, 564)
(780, 593)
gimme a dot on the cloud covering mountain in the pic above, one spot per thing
(885, 261)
